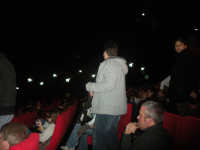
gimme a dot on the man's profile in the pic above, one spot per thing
(154, 136)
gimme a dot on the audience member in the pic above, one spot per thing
(184, 79)
(85, 124)
(48, 131)
(109, 100)
(11, 134)
(151, 94)
(161, 98)
(154, 136)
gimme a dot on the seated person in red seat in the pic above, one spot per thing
(11, 134)
(153, 136)
(48, 131)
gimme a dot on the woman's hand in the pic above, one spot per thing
(38, 123)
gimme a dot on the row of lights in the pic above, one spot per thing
(80, 71)
(143, 14)
(131, 65)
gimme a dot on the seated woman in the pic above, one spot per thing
(48, 131)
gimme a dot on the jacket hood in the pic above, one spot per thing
(121, 61)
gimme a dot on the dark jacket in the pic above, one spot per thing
(184, 77)
(152, 138)
(7, 86)
(85, 115)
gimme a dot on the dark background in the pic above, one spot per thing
(45, 37)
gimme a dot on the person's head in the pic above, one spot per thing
(63, 106)
(150, 92)
(110, 48)
(180, 45)
(161, 94)
(51, 116)
(144, 93)
(60, 110)
(11, 134)
(140, 93)
(151, 113)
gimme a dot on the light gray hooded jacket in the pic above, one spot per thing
(110, 90)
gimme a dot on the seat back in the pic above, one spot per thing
(62, 123)
(190, 134)
(24, 119)
(173, 123)
(124, 120)
(30, 120)
(32, 143)
(16, 119)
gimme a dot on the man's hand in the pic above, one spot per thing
(91, 94)
(131, 128)
(193, 95)
(92, 126)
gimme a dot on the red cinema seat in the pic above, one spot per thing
(30, 120)
(16, 119)
(124, 120)
(32, 143)
(58, 133)
(190, 134)
(62, 123)
(173, 123)
(24, 119)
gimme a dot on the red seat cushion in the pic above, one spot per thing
(173, 123)
(190, 134)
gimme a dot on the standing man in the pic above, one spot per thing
(7, 90)
(184, 79)
(109, 99)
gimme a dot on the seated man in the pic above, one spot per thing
(11, 134)
(154, 136)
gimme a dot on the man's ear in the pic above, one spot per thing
(6, 145)
(150, 121)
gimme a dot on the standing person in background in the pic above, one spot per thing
(7, 90)
(184, 77)
(109, 99)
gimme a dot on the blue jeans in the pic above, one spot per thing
(83, 145)
(105, 132)
(73, 138)
(5, 119)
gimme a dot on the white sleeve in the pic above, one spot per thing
(165, 82)
(92, 121)
(47, 133)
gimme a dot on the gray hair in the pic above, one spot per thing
(154, 110)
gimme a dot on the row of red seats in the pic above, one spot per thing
(185, 131)
(62, 123)
(29, 118)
